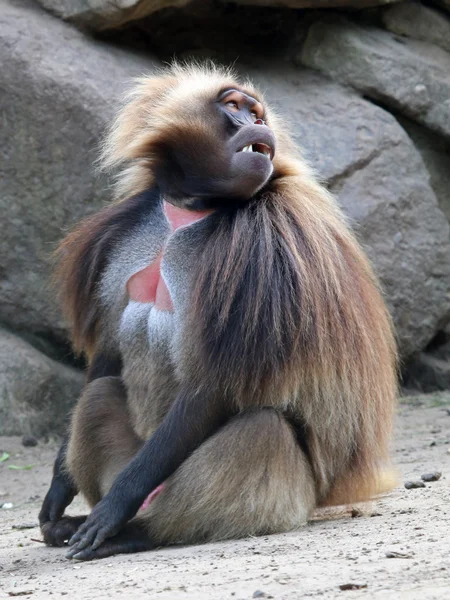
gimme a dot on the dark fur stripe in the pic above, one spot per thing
(82, 258)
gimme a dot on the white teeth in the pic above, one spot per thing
(247, 149)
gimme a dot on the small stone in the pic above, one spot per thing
(435, 476)
(29, 441)
(352, 586)
(7, 505)
(259, 594)
(392, 554)
(24, 526)
(412, 485)
(356, 512)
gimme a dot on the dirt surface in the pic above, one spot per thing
(411, 526)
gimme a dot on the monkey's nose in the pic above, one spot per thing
(259, 122)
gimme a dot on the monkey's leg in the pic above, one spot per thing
(102, 442)
(102, 439)
(250, 478)
(55, 528)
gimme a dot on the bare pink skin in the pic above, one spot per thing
(152, 496)
(148, 285)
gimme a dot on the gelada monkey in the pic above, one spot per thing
(242, 361)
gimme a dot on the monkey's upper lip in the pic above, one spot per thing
(255, 138)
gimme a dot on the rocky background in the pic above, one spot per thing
(364, 84)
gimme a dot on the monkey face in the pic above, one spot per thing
(201, 137)
(217, 152)
(251, 145)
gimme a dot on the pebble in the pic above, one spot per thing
(392, 554)
(25, 525)
(435, 476)
(29, 441)
(352, 586)
(412, 485)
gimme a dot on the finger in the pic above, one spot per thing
(79, 534)
(86, 539)
(86, 554)
(101, 536)
(73, 550)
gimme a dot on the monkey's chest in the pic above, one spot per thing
(150, 285)
(153, 319)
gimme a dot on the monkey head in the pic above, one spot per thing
(196, 133)
(226, 154)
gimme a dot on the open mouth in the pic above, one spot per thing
(259, 148)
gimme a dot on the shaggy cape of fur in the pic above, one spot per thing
(285, 309)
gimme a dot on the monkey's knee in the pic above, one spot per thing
(251, 478)
(102, 440)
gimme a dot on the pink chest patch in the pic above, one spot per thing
(148, 285)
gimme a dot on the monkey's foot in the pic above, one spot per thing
(132, 538)
(58, 533)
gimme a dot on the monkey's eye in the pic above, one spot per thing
(232, 104)
(254, 115)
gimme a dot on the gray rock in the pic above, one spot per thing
(382, 184)
(435, 152)
(428, 477)
(353, 4)
(442, 3)
(29, 441)
(36, 392)
(412, 485)
(410, 76)
(57, 91)
(419, 22)
(428, 373)
(104, 14)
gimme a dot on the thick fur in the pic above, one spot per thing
(265, 480)
(284, 321)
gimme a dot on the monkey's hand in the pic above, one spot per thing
(61, 493)
(57, 499)
(106, 519)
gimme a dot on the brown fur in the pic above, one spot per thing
(287, 264)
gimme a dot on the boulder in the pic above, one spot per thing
(419, 22)
(36, 392)
(382, 184)
(104, 14)
(428, 373)
(57, 91)
(435, 152)
(410, 76)
(442, 3)
(350, 4)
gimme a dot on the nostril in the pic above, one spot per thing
(259, 122)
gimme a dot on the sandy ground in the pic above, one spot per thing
(313, 562)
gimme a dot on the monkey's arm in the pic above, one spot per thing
(62, 489)
(191, 419)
